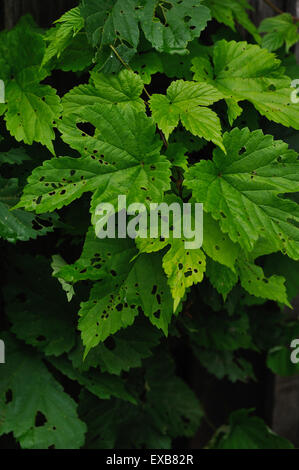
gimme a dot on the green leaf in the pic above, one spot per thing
(104, 386)
(123, 157)
(15, 156)
(165, 392)
(249, 432)
(123, 90)
(142, 288)
(181, 23)
(221, 277)
(247, 72)
(241, 190)
(186, 102)
(37, 308)
(18, 224)
(279, 361)
(31, 109)
(254, 281)
(122, 352)
(108, 422)
(57, 263)
(59, 38)
(279, 29)
(35, 393)
(218, 245)
(99, 257)
(225, 364)
(229, 12)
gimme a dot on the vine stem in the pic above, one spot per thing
(144, 89)
(278, 10)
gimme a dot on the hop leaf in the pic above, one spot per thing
(242, 190)
(279, 30)
(34, 394)
(246, 72)
(186, 102)
(31, 109)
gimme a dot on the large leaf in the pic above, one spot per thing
(37, 307)
(122, 157)
(249, 432)
(229, 12)
(117, 23)
(60, 37)
(186, 102)
(241, 190)
(34, 405)
(31, 109)
(244, 71)
(125, 350)
(182, 22)
(143, 289)
(279, 30)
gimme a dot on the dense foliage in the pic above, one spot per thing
(158, 101)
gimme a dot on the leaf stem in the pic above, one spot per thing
(144, 89)
(278, 10)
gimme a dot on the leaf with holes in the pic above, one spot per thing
(182, 22)
(123, 158)
(247, 72)
(34, 405)
(144, 289)
(18, 224)
(121, 352)
(242, 190)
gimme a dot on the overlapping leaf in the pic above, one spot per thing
(241, 190)
(186, 102)
(31, 109)
(122, 157)
(28, 391)
(279, 30)
(244, 71)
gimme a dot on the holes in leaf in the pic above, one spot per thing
(272, 87)
(243, 150)
(188, 274)
(119, 307)
(41, 338)
(113, 272)
(180, 266)
(86, 128)
(109, 343)
(8, 396)
(40, 419)
(154, 289)
(157, 314)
